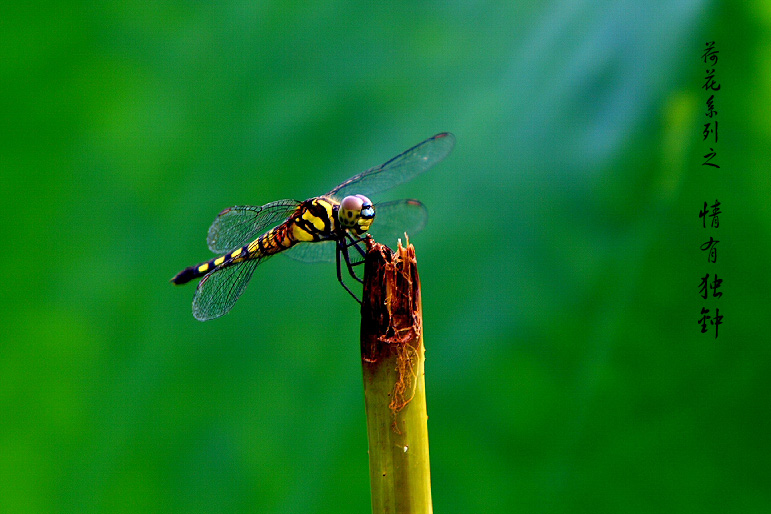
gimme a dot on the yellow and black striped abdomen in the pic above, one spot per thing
(199, 270)
(313, 221)
(270, 243)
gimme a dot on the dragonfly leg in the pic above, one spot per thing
(342, 249)
(355, 243)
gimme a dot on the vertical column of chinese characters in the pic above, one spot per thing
(710, 284)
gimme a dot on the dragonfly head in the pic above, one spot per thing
(356, 214)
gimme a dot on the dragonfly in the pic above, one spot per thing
(329, 227)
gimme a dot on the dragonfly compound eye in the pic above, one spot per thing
(356, 213)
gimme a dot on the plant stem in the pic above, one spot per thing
(392, 356)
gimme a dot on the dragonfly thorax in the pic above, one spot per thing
(356, 214)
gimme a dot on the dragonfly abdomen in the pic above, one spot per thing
(270, 243)
(199, 270)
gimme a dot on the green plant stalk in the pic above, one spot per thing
(394, 382)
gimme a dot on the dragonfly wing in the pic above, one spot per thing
(398, 170)
(237, 226)
(219, 290)
(393, 219)
(322, 251)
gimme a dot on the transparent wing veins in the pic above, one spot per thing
(218, 291)
(400, 169)
(393, 219)
(321, 251)
(236, 226)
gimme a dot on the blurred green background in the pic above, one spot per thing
(566, 371)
